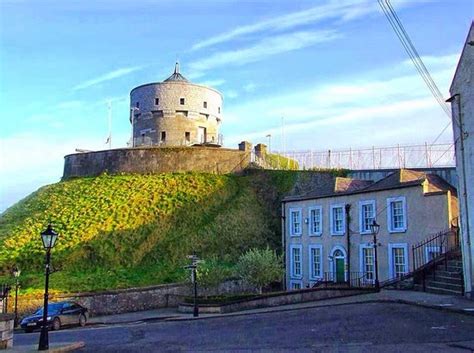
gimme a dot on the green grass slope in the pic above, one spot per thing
(135, 230)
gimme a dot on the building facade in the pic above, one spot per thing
(175, 112)
(329, 237)
(462, 106)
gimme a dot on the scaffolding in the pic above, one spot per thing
(399, 156)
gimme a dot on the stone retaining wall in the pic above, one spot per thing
(150, 160)
(6, 331)
(276, 299)
(137, 299)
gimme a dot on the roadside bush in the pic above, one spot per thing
(260, 267)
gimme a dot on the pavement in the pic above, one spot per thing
(448, 303)
(53, 348)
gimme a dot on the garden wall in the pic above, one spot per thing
(6, 331)
(275, 299)
(137, 299)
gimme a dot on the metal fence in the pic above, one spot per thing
(400, 156)
(346, 279)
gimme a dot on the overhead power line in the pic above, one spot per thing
(404, 38)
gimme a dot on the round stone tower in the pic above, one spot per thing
(175, 112)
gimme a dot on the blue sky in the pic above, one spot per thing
(333, 69)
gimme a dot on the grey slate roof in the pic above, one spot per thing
(400, 179)
(176, 76)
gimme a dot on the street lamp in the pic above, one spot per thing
(16, 273)
(193, 267)
(49, 237)
(374, 229)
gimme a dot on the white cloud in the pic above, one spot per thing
(359, 111)
(343, 10)
(250, 87)
(107, 77)
(29, 161)
(212, 83)
(231, 94)
(263, 49)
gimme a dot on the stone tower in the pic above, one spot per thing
(175, 112)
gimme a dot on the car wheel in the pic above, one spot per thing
(28, 330)
(56, 324)
(82, 320)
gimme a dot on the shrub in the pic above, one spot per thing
(260, 267)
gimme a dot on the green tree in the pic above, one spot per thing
(259, 267)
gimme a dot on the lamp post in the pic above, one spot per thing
(16, 273)
(193, 267)
(374, 228)
(49, 237)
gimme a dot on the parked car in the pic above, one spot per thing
(59, 315)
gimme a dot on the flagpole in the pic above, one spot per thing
(109, 107)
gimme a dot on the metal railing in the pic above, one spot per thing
(400, 156)
(346, 279)
(434, 248)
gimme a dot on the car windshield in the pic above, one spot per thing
(52, 309)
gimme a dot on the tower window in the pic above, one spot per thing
(181, 101)
(157, 100)
(204, 104)
(219, 110)
(137, 105)
(163, 136)
(187, 136)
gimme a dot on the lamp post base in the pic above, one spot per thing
(44, 339)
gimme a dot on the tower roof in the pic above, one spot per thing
(176, 76)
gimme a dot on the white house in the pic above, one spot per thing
(328, 235)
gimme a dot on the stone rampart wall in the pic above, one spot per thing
(150, 160)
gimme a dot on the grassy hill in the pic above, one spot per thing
(134, 230)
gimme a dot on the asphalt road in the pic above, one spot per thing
(373, 327)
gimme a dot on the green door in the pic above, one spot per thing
(339, 270)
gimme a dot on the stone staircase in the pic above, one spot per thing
(443, 278)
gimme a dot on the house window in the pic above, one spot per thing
(204, 104)
(219, 110)
(398, 260)
(181, 101)
(137, 105)
(396, 214)
(295, 222)
(367, 263)
(295, 264)
(315, 221)
(163, 136)
(315, 261)
(157, 101)
(337, 220)
(187, 136)
(366, 216)
(295, 285)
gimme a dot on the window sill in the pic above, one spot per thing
(296, 277)
(394, 231)
(337, 234)
(295, 235)
(316, 235)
